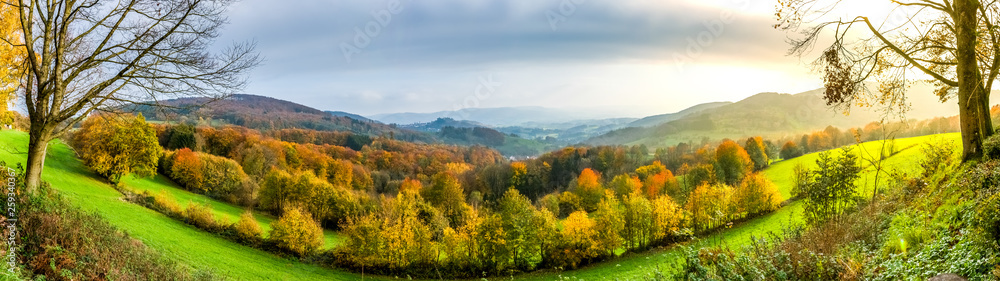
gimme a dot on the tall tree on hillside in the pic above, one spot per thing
(732, 162)
(953, 42)
(88, 55)
(758, 153)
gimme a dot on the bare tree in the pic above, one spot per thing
(90, 55)
(952, 43)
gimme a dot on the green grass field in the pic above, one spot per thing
(178, 241)
(222, 210)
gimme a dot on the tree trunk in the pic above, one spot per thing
(38, 145)
(973, 100)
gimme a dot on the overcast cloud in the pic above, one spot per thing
(630, 59)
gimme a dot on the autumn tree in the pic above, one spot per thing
(296, 231)
(666, 218)
(758, 153)
(756, 195)
(609, 222)
(589, 189)
(731, 162)
(637, 215)
(115, 146)
(520, 223)
(955, 44)
(188, 170)
(708, 205)
(701, 174)
(578, 236)
(445, 193)
(790, 150)
(87, 56)
(624, 184)
(11, 60)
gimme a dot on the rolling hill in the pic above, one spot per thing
(664, 118)
(772, 115)
(266, 113)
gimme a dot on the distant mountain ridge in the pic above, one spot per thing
(267, 113)
(350, 115)
(663, 118)
(494, 116)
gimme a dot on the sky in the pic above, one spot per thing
(613, 58)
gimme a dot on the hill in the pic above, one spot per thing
(437, 125)
(664, 118)
(350, 115)
(771, 115)
(266, 113)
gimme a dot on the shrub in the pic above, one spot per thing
(247, 229)
(991, 148)
(200, 215)
(938, 153)
(296, 231)
(163, 203)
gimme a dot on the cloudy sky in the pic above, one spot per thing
(621, 58)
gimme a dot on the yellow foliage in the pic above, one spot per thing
(458, 168)
(11, 59)
(297, 232)
(578, 229)
(667, 217)
(118, 145)
(200, 215)
(166, 202)
(247, 228)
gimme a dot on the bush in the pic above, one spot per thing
(296, 231)
(991, 148)
(163, 203)
(938, 154)
(247, 229)
(200, 215)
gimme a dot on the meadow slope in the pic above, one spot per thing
(186, 244)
